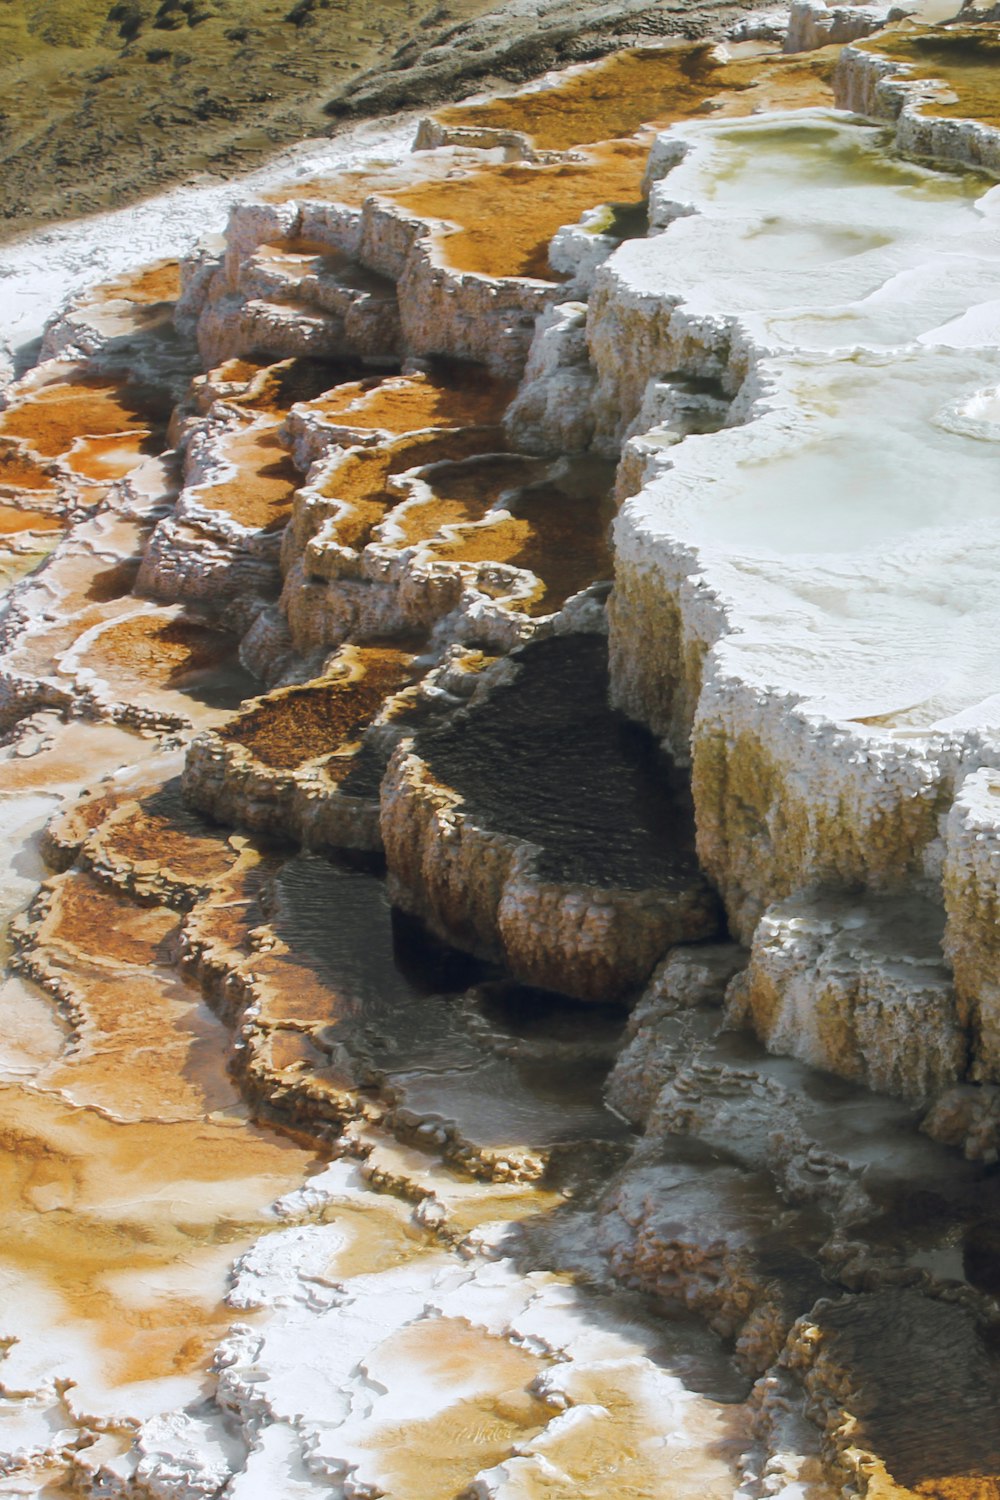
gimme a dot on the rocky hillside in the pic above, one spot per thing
(106, 100)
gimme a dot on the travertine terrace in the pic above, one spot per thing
(502, 803)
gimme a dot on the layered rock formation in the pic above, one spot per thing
(824, 752)
(394, 858)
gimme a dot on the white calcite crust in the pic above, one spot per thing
(805, 601)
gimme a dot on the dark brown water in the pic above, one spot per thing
(452, 1044)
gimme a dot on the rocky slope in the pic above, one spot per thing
(108, 102)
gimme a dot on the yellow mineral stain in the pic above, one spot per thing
(13, 521)
(882, 1486)
(86, 1198)
(964, 58)
(260, 494)
(459, 396)
(622, 1447)
(130, 1175)
(378, 1238)
(54, 417)
(145, 1047)
(505, 216)
(492, 1410)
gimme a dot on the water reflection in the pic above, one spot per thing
(437, 1026)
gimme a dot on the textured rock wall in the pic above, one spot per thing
(972, 904)
(877, 86)
(794, 791)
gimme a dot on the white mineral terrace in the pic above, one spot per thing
(823, 571)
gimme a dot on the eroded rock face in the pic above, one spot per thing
(758, 1187)
(971, 888)
(887, 1344)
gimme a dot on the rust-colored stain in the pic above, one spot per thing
(360, 478)
(110, 458)
(561, 539)
(131, 1177)
(160, 832)
(157, 283)
(85, 914)
(19, 471)
(260, 494)
(505, 216)
(456, 396)
(274, 389)
(460, 494)
(161, 652)
(293, 726)
(644, 86)
(609, 99)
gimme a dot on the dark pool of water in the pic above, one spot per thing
(412, 1021)
(547, 760)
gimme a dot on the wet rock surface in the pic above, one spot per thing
(321, 826)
